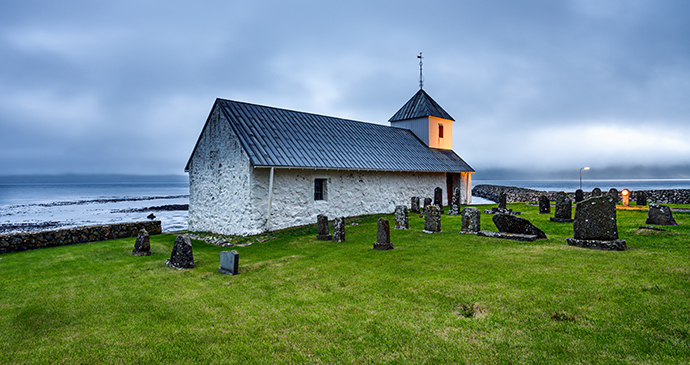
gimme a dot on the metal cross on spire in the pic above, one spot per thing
(421, 78)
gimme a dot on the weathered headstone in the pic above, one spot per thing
(383, 235)
(142, 246)
(641, 198)
(182, 256)
(596, 192)
(401, 219)
(470, 220)
(564, 209)
(438, 199)
(595, 225)
(660, 215)
(614, 193)
(229, 262)
(544, 205)
(414, 204)
(339, 229)
(322, 228)
(511, 224)
(455, 202)
(427, 202)
(579, 195)
(502, 200)
(432, 219)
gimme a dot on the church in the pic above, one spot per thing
(257, 168)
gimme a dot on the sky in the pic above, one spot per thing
(124, 87)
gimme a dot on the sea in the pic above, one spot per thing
(26, 207)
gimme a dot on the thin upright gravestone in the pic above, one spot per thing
(470, 220)
(383, 235)
(544, 205)
(595, 225)
(401, 219)
(322, 228)
(438, 199)
(614, 194)
(182, 256)
(502, 200)
(455, 202)
(432, 219)
(229, 262)
(414, 204)
(339, 229)
(579, 195)
(660, 215)
(641, 198)
(564, 209)
(427, 203)
(142, 246)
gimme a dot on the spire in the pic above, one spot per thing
(421, 78)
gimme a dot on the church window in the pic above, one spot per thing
(320, 189)
(440, 131)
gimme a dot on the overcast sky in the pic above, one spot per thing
(126, 86)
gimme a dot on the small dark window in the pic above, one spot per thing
(319, 189)
(440, 131)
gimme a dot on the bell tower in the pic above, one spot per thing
(427, 120)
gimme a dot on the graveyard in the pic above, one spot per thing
(431, 297)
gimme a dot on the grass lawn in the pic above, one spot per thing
(441, 298)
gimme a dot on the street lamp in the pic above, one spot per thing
(584, 168)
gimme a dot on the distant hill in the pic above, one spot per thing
(91, 178)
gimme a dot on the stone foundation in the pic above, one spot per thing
(13, 242)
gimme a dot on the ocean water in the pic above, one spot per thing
(38, 206)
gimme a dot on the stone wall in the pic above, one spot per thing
(12, 242)
(515, 194)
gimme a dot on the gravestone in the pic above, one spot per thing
(438, 199)
(509, 223)
(432, 219)
(383, 235)
(595, 225)
(564, 209)
(579, 195)
(401, 219)
(544, 205)
(414, 204)
(339, 229)
(502, 200)
(182, 256)
(660, 215)
(641, 198)
(427, 202)
(596, 192)
(470, 220)
(322, 228)
(455, 202)
(229, 262)
(614, 193)
(142, 246)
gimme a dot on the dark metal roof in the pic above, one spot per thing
(420, 105)
(285, 138)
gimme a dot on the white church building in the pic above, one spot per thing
(257, 168)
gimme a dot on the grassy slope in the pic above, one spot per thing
(302, 300)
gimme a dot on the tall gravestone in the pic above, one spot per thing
(322, 228)
(455, 202)
(414, 204)
(502, 200)
(142, 246)
(579, 195)
(641, 198)
(660, 215)
(470, 220)
(182, 256)
(427, 202)
(339, 229)
(383, 235)
(564, 208)
(595, 225)
(401, 219)
(596, 192)
(544, 205)
(438, 199)
(432, 219)
(614, 193)
(229, 262)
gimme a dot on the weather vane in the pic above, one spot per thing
(421, 78)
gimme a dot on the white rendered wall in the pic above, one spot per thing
(219, 182)
(348, 193)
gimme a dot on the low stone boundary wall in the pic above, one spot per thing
(13, 242)
(522, 195)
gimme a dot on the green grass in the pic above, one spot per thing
(441, 298)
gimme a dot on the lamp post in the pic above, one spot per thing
(584, 168)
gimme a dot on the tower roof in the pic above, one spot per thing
(420, 105)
